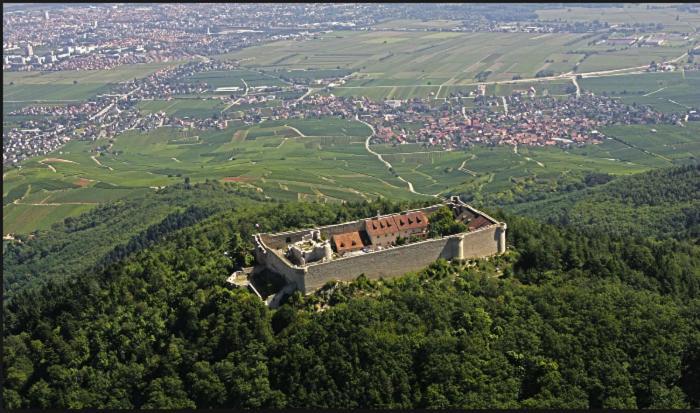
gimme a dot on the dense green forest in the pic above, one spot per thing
(572, 316)
(105, 231)
(662, 202)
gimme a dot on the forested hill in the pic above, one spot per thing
(93, 240)
(101, 235)
(565, 319)
(662, 202)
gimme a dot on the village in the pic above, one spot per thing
(523, 118)
(527, 116)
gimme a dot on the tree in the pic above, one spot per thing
(206, 387)
(167, 393)
(442, 223)
(239, 251)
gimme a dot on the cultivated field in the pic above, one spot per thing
(236, 78)
(630, 14)
(322, 160)
(393, 64)
(70, 86)
(670, 92)
(197, 108)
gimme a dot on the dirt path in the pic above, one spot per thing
(657, 90)
(43, 162)
(295, 130)
(98, 163)
(239, 99)
(578, 89)
(532, 160)
(515, 151)
(57, 160)
(386, 163)
(679, 104)
(463, 169)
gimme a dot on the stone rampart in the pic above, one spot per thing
(481, 243)
(276, 263)
(281, 239)
(387, 263)
(399, 260)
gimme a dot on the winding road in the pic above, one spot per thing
(385, 162)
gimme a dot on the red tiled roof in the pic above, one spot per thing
(348, 241)
(478, 222)
(411, 220)
(380, 226)
(395, 223)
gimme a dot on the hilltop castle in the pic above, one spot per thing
(382, 246)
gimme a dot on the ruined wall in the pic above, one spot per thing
(270, 259)
(387, 263)
(279, 240)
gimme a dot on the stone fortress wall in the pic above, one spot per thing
(485, 241)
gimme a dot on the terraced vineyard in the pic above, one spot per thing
(313, 159)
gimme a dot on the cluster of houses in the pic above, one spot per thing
(524, 119)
